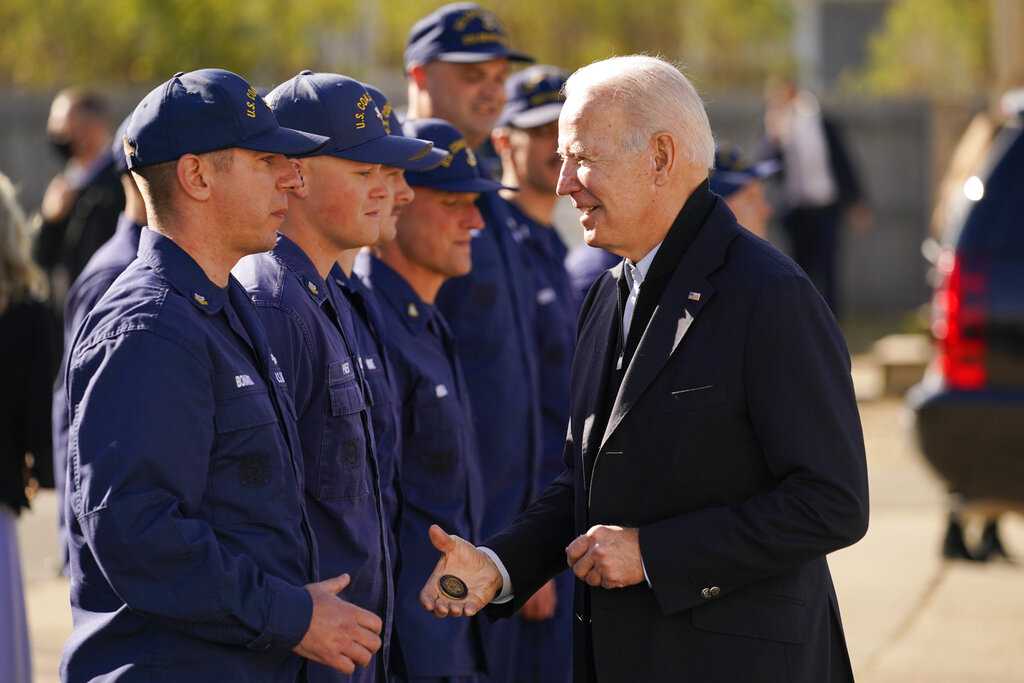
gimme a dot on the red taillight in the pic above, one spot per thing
(958, 323)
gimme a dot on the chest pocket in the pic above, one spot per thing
(250, 463)
(434, 465)
(343, 468)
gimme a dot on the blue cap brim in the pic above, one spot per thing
(476, 57)
(287, 141)
(458, 185)
(533, 118)
(430, 161)
(389, 150)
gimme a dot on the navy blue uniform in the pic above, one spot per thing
(545, 647)
(312, 335)
(440, 479)
(491, 314)
(189, 540)
(384, 409)
(99, 273)
(585, 265)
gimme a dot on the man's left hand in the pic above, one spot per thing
(607, 556)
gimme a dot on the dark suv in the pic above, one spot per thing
(969, 408)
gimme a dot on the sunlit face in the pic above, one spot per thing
(613, 188)
(535, 157)
(751, 208)
(469, 96)
(347, 200)
(399, 196)
(435, 231)
(250, 195)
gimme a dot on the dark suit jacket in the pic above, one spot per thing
(734, 445)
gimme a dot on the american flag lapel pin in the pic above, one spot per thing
(694, 296)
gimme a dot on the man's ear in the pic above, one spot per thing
(499, 138)
(194, 176)
(664, 157)
(302, 168)
(418, 75)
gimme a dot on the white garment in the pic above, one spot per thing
(808, 180)
(15, 657)
(635, 275)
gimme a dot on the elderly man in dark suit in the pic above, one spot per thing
(714, 454)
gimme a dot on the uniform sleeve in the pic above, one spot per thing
(140, 445)
(804, 415)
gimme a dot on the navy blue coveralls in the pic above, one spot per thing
(440, 478)
(99, 273)
(545, 647)
(491, 314)
(312, 336)
(189, 541)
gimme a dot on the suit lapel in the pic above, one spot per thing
(592, 360)
(687, 293)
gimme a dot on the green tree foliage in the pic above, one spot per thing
(48, 43)
(935, 48)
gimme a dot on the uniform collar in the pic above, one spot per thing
(413, 311)
(182, 272)
(295, 260)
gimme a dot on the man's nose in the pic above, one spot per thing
(473, 219)
(289, 178)
(568, 182)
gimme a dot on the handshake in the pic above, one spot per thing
(465, 579)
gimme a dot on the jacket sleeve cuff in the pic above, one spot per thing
(505, 594)
(289, 616)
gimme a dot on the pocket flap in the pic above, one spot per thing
(755, 615)
(244, 412)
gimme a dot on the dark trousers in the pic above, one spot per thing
(813, 233)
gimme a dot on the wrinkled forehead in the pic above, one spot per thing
(590, 120)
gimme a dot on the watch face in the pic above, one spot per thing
(453, 587)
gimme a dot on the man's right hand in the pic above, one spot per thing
(340, 635)
(541, 605)
(461, 559)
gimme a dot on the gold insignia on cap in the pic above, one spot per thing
(200, 299)
(313, 289)
(422, 153)
(413, 311)
(470, 157)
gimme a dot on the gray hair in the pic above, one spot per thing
(662, 98)
(19, 276)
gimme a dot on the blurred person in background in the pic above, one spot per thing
(734, 179)
(526, 139)
(457, 63)
(96, 277)
(82, 202)
(820, 184)
(25, 462)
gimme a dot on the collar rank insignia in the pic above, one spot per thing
(200, 299)
(313, 289)
(413, 311)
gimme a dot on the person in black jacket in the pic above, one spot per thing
(819, 183)
(714, 453)
(82, 202)
(26, 343)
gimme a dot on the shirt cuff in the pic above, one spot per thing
(644, 567)
(505, 594)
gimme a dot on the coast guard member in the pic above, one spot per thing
(439, 469)
(338, 207)
(190, 545)
(526, 139)
(457, 61)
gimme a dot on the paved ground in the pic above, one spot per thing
(909, 617)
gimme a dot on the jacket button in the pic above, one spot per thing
(715, 591)
(706, 594)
